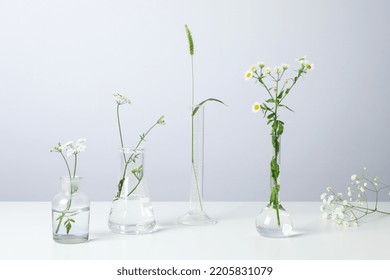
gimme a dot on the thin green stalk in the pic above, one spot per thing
(120, 130)
(75, 165)
(67, 165)
(120, 185)
(192, 136)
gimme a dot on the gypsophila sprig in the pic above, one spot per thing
(349, 209)
(71, 150)
(277, 88)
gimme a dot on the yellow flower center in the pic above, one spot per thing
(257, 107)
(248, 75)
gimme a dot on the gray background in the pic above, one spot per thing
(61, 61)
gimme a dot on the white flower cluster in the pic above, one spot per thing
(349, 210)
(70, 148)
(121, 99)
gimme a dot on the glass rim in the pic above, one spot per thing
(132, 149)
(70, 178)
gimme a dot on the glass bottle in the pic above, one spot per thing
(196, 214)
(273, 220)
(131, 210)
(70, 213)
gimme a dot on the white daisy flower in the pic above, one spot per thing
(267, 70)
(256, 107)
(248, 75)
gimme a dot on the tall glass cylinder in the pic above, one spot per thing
(196, 214)
(274, 220)
(70, 213)
(131, 210)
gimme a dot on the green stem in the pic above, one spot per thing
(120, 130)
(120, 185)
(192, 135)
(75, 165)
(67, 165)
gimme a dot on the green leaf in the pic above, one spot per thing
(281, 105)
(270, 116)
(68, 227)
(71, 220)
(280, 94)
(270, 100)
(280, 128)
(203, 102)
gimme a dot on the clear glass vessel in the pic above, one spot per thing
(70, 213)
(274, 220)
(196, 214)
(131, 210)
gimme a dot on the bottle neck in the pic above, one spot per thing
(70, 185)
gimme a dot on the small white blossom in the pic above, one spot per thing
(161, 120)
(329, 189)
(353, 177)
(324, 201)
(277, 70)
(248, 75)
(285, 66)
(256, 107)
(267, 70)
(345, 203)
(322, 208)
(376, 178)
(365, 184)
(121, 99)
(80, 145)
(361, 189)
(323, 195)
(339, 195)
(349, 193)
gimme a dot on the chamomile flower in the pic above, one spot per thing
(256, 107)
(248, 75)
(254, 68)
(267, 70)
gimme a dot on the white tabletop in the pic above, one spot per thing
(25, 233)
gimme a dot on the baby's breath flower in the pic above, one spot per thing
(345, 203)
(248, 75)
(256, 107)
(322, 208)
(339, 195)
(285, 66)
(375, 178)
(161, 120)
(254, 68)
(267, 70)
(329, 189)
(80, 145)
(277, 70)
(323, 195)
(353, 177)
(121, 99)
